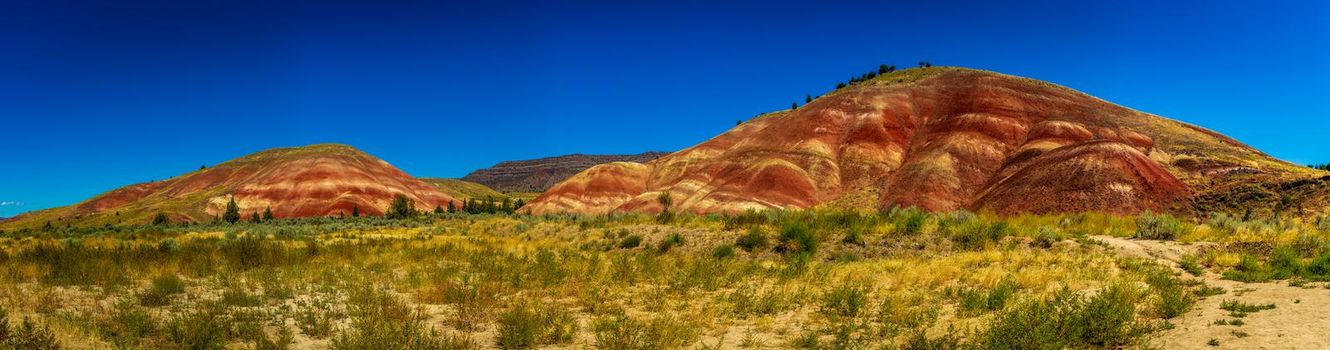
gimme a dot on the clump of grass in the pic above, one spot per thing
(162, 288)
(1045, 237)
(975, 301)
(239, 297)
(1192, 265)
(526, 327)
(1157, 226)
(845, 300)
(977, 234)
(854, 235)
(126, 325)
(620, 331)
(201, 328)
(796, 238)
(723, 252)
(753, 241)
(26, 335)
(909, 221)
(381, 320)
(670, 242)
(1241, 309)
(1208, 290)
(630, 242)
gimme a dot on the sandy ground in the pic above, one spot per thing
(1300, 320)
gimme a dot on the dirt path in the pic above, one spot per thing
(1300, 319)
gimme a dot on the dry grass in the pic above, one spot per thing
(906, 278)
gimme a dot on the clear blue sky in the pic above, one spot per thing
(99, 94)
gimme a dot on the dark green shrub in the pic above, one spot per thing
(1066, 320)
(796, 238)
(673, 240)
(753, 241)
(977, 235)
(162, 288)
(910, 221)
(723, 252)
(630, 242)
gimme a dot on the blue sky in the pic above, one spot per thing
(95, 95)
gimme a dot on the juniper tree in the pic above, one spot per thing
(232, 213)
(401, 208)
(160, 219)
(267, 214)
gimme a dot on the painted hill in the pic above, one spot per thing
(316, 180)
(538, 175)
(939, 138)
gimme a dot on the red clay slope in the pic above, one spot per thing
(316, 180)
(939, 138)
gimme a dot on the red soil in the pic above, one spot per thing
(955, 139)
(318, 180)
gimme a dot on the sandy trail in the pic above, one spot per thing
(1300, 320)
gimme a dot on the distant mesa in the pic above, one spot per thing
(316, 180)
(939, 138)
(538, 175)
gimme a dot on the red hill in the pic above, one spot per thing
(940, 138)
(316, 180)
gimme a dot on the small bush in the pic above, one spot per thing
(126, 325)
(619, 331)
(1173, 300)
(1190, 264)
(845, 300)
(27, 335)
(723, 252)
(753, 241)
(162, 288)
(910, 221)
(796, 238)
(1157, 226)
(630, 242)
(670, 242)
(202, 328)
(380, 320)
(977, 234)
(1066, 320)
(525, 327)
(1046, 237)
